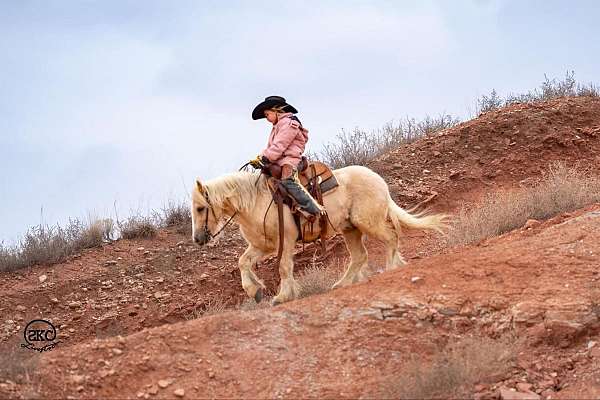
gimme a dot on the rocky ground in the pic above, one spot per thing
(132, 314)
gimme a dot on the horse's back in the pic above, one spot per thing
(358, 179)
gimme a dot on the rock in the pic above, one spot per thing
(382, 306)
(110, 262)
(163, 383)
(211, 374)
(180, 243)
(179, 392)
(548, 394)
(511, 394)
(160, 279)
(524, 387)
(79, 388)
(591, 344)
(42, 278)
(54, 300)
(157, 295)
(117, 352)
(153, 390)
(415, 279)
(21, 308)
(141, 248)
(527, 314)
(78, 379)
(75, 304)
(531, 223)
(546, 384)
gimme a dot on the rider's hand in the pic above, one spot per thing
(257, 162)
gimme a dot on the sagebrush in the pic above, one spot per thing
(549, 89)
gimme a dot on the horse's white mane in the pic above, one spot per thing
(240, 188)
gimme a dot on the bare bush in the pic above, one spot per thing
(452, 372)
(176, 214)
(562, 189)
(44, 244)
(359, 147)
(549, 89)
(138, 227)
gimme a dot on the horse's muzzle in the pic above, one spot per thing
(201, 238)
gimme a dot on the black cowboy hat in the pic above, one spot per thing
(271, 102)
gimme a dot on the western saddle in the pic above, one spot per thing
(318, 179)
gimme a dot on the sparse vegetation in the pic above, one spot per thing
(454, 371)
(138, 227)
(44, 244)
(359, 147)
(215, 305)
(562, 189)
(174, 214)
(17, 365)
(549, 89)
(317, 279)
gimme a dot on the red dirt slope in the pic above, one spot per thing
(540, 285)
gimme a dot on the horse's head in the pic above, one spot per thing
(204, 215)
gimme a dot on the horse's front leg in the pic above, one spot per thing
(252, 285)
(289, 289)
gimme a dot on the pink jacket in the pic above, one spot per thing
(286, 142)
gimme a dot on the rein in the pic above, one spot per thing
(207, 232)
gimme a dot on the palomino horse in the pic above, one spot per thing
(360, 206)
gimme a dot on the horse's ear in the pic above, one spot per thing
(199, 186)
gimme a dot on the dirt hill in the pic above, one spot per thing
(127, 312)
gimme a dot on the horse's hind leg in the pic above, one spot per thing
(252, 285)
(358, 258)
(388, 236)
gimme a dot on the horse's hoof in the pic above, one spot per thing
(258, 295)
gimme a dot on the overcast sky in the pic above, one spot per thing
(126, 102)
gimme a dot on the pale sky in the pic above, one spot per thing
(126, 102)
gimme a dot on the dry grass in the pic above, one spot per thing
(454, 371)
(18, 365)
(317, 279)
(138, 227)
(45, 244)
(250, 304)
(213, 306)
(562, 189)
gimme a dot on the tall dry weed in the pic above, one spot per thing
(562, 189)
(453, 372)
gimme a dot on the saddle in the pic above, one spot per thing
(318, 179)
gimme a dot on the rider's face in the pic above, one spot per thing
(271, 116)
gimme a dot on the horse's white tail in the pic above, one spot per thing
(402, 218)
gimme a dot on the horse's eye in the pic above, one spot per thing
(200, 209)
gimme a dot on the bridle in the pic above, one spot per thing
(207, 232)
